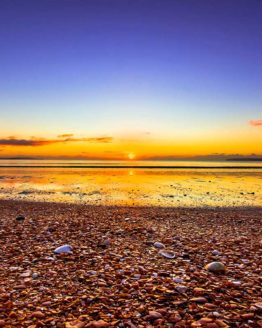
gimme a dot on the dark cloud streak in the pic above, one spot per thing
(33, 142)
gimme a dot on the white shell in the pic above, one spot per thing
(167, 254)
(159, 245)
(63, 249)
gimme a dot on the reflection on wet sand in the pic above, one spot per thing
(124, 186)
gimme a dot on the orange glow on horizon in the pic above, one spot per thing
(242, 142)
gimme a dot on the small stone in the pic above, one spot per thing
(198, 291)
(178, 280)
(174, 318)
(26, 274)
(153, 315)
(35, 275)
(216, 267)
(236, 283)
(14, 268)
(258, 307)
(216, 252)
(137, 276)
(199, 299)
(158, 245)
(247, 316)
(104, 243)
(181, 289)
(98, 324)
(20, 218)
(92, 273)
(221, 323)
(38, 315)
(75, 324)
(63, 249)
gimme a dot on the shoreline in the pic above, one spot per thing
(116, 277)
(141, 207)
(180, 167)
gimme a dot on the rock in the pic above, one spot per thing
(14, 268)
(63, 249)
(158, 245)
(178, 280)
(198, 291)
(35, 275)
(168, 254)
(199, 299)
(153, 315)
(92, 273)
(104, 243)
(174, 318)
(258, 307)
(216, 267)
(38, 315)
(98, 324)
(26, 274)
(181, 289)
(216, 252)
(75, 324)
(20, 218)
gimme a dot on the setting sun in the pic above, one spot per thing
(131, 156)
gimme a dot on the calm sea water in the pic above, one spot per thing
(133, 183)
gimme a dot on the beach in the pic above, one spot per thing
(129, 266)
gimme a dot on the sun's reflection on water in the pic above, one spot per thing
(161, 187)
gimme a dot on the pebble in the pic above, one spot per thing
(181, 289)
(258, 306)
(178, 280)
(153, 315)
(104, 243)
(216, 267)
(98, 324)
(35, 275)
(38, 315)
(75, 324)
(26, 274)
(20, 218)
(199, 299)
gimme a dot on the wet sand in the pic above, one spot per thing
(116, 277)
(134, 187)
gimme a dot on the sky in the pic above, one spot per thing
(130, 79)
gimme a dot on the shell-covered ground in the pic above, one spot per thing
(116, 277)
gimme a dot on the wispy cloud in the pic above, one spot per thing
(34, 142)
(66, 135)
(255, 122)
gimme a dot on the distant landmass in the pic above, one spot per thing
(245, 159)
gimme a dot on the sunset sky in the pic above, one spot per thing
(137, 79)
